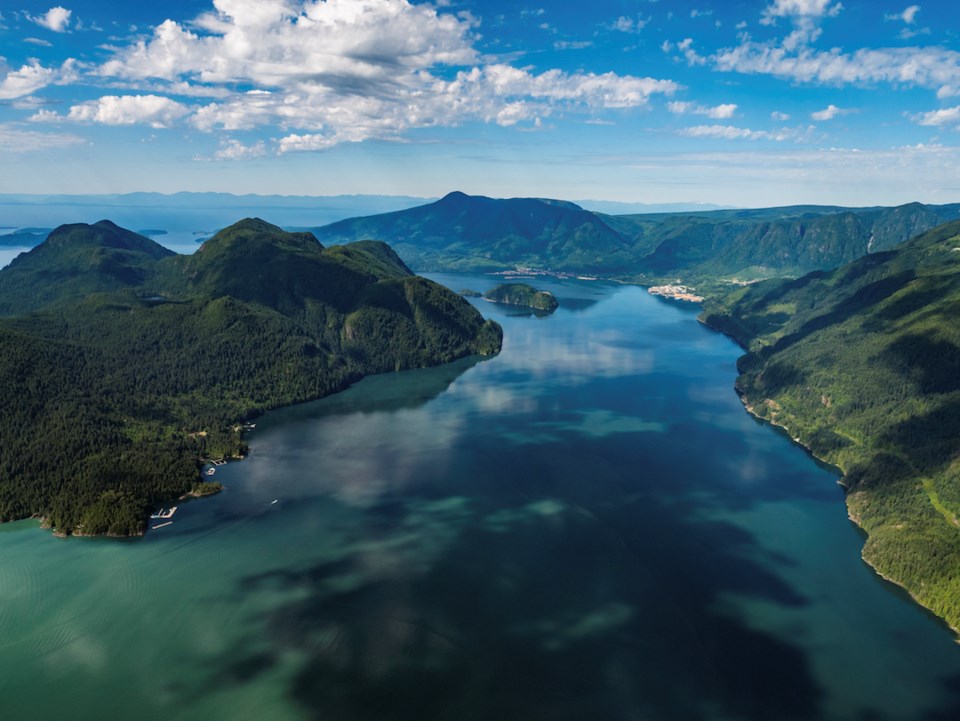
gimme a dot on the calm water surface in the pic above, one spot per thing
(587, 526)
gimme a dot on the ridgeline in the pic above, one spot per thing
(707, 249)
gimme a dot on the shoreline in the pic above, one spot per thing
(855, 521)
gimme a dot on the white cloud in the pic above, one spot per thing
(232, 149)
(805, 16)
(777, 115)
(572, 44)
(718, 112)
(931, 67)
(730, 132)
(944, 116)
(626, 24)
(32, 77)
(153, 110)
(38, 41)
(799, 9)
(56, 19)
(828, 113)
(337, 43)
(310, 141)
(685, 46)
(350, 70)
(15, 140)
(908, 16)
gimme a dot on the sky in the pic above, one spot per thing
(751, 104)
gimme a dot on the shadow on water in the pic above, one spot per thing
(540, 598)
(545, 577)
(383, 392)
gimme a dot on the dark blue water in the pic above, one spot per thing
(587, 526)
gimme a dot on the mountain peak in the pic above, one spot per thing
(255, 232)
(102, 234)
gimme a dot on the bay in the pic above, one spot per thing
(587, 526)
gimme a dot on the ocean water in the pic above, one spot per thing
(587, 526)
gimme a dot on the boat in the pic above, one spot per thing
(211, 471)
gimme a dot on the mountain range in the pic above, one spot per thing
(475, 233)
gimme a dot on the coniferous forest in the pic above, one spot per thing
(122, 365)
(862, 364)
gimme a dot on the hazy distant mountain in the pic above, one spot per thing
(179, 212)
(122, 363)
(24, 237)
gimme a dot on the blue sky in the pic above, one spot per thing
(751, 103)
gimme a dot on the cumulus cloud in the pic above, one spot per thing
(32, 77)
(805, 15)
(908, 16)
(937, 118)
(153, 110)
(685, 47)
(56, 19)
(231, 149)
(718, 112)
(334, 71)
(799, 9)
(828, 113)
(336, 43)
(625, 24)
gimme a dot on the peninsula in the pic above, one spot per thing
(127, 362)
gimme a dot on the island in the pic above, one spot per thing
(523, 295)
(123, 364)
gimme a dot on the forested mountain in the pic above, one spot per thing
(862, 364)
(122, 363)
(461, 232)
(76, 260)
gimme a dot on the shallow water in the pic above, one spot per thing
(587, 526)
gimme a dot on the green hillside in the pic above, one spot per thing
(117, 377)
(707, 249)
(462, 232)
(862, 364)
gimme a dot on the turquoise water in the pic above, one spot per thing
(587, 526)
